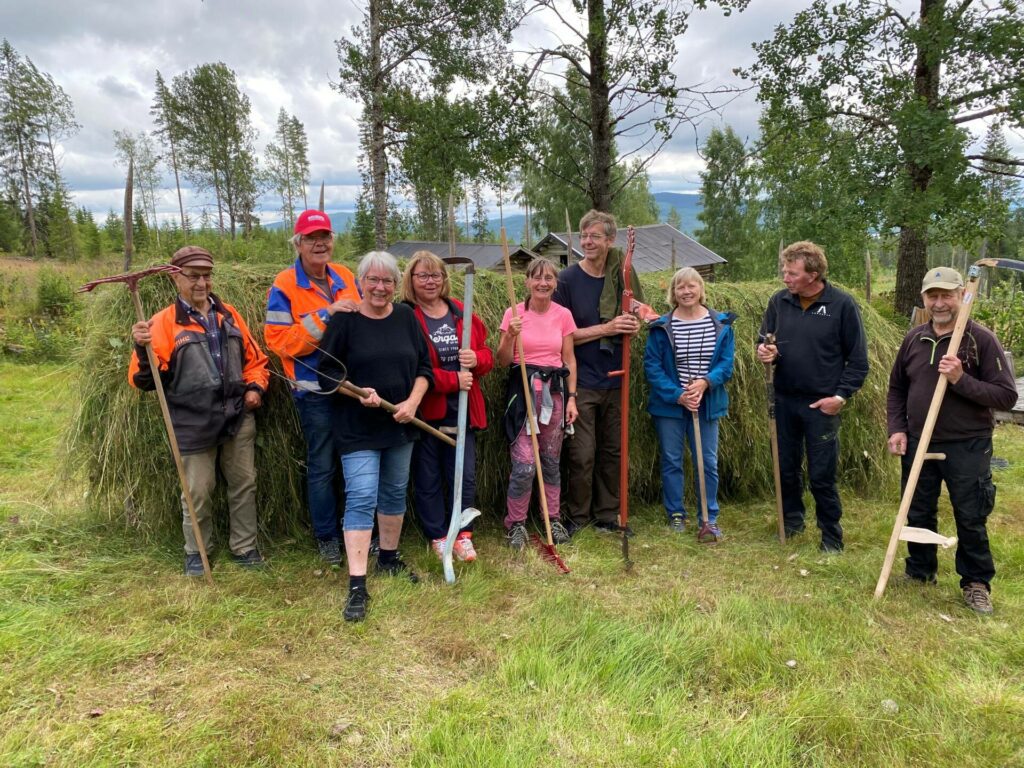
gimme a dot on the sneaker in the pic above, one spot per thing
(355, 606)
(712, 532)
(831, 547)
(677, 524)
(977, 598)
(251, 559)
(559, 533)
(397, 567)
(374, 547)
(516, 537)
(612, 526)
(330, 551)
(464, 549)
(194, 564)
(438, 546)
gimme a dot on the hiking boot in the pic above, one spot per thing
(251, 559)
(612, 526)
(559, 533)
(397, 567)
(330, 551)
(793, 531)
(464, 549)
(910, 578)
(516, 537)
(194, 564)
(355, 606)
(977, 598)
(438, 546)
(677, 524)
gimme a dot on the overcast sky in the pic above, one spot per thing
(104, 53)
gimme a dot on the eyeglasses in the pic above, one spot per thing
(195, 277)
(320, 237)
(589, 236)
(387, 282)
(426, 277)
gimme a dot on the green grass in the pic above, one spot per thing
(109, 657)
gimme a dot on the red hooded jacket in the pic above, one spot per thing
(435, 402)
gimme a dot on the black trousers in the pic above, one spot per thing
(967, 472)
(802, 428)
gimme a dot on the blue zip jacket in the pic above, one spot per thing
(660, 367)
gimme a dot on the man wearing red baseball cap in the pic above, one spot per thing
(299, 305)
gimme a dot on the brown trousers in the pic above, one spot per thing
(592, 468)
(238, 464)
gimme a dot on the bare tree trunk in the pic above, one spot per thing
(378, 157)
(28, 199)
(911, 263)
(220, 206)
(600, 123)
(177, 185)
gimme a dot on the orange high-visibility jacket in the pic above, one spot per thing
(206, 408)
(297, 317)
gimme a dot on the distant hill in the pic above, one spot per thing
(687, 205)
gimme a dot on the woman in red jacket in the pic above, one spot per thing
(425, 286)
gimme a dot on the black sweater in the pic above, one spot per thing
(386, 355)
(966, 410)
(822, 350)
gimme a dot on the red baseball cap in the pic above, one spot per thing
(312, 221)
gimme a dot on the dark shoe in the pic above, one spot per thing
(330, 551)
(612, 526)
(397, 567)
(251, 559)
(677, 524)
(909, 578)
(559, 533)
(374, 547)
(793, 531)
(194, 565)
(355, 606)
(831, 547)
(516, 537)
(977, 598)
(709, 535)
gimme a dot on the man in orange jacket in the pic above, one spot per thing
(299, 305)
(214, 376)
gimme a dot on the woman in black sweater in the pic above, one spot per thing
(383, 351)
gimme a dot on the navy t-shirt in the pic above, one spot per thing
(443, 336)
(581, 295)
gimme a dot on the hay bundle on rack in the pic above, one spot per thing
(117, 437)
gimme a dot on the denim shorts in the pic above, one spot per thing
(375, 481)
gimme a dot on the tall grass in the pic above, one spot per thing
(117, 435)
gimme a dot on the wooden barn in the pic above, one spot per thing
(483, 255)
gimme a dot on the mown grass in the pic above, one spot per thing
(109, 657)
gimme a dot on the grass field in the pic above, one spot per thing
(740, 654)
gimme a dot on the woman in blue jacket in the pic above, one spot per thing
(688, 359)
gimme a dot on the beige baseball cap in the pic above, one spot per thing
(945, 278)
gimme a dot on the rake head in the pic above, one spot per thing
(548, 552)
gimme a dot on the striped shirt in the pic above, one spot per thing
(694, 343)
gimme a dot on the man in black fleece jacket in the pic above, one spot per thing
(821, 360)
(979, 380)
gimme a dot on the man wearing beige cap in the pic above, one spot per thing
(214, 376)
(979, 381)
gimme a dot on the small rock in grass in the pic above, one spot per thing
(355, 739)
(804, 572)
(97, 712)
(944, 617)
(339, 728)
(318, 572)
(791, 663)
(890, 706)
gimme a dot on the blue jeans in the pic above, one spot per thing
(321, 464)
(375, 481)
(671, 435)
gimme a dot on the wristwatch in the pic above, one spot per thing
(570, 394)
